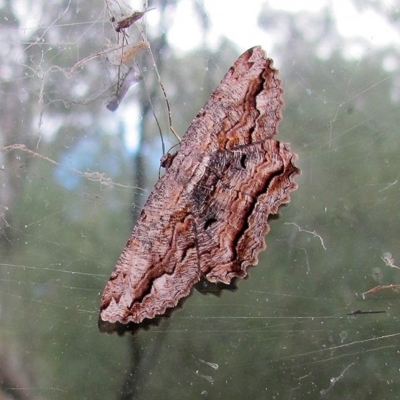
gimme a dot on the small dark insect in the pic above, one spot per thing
(128, 21)
(359, 312)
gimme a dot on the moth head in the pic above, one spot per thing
(166, 160)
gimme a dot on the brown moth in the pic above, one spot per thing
(207, 216)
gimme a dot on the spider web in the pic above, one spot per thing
(73, 173)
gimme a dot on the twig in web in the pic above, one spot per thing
(82, 62)
(395, 287)
(91, 176)
(388, 259)
(335, 380)
(315, 234)
(22, 147)
(127, 52)
(388, 186)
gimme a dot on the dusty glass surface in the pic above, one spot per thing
(72, 174)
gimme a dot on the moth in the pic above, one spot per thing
(207, 216)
